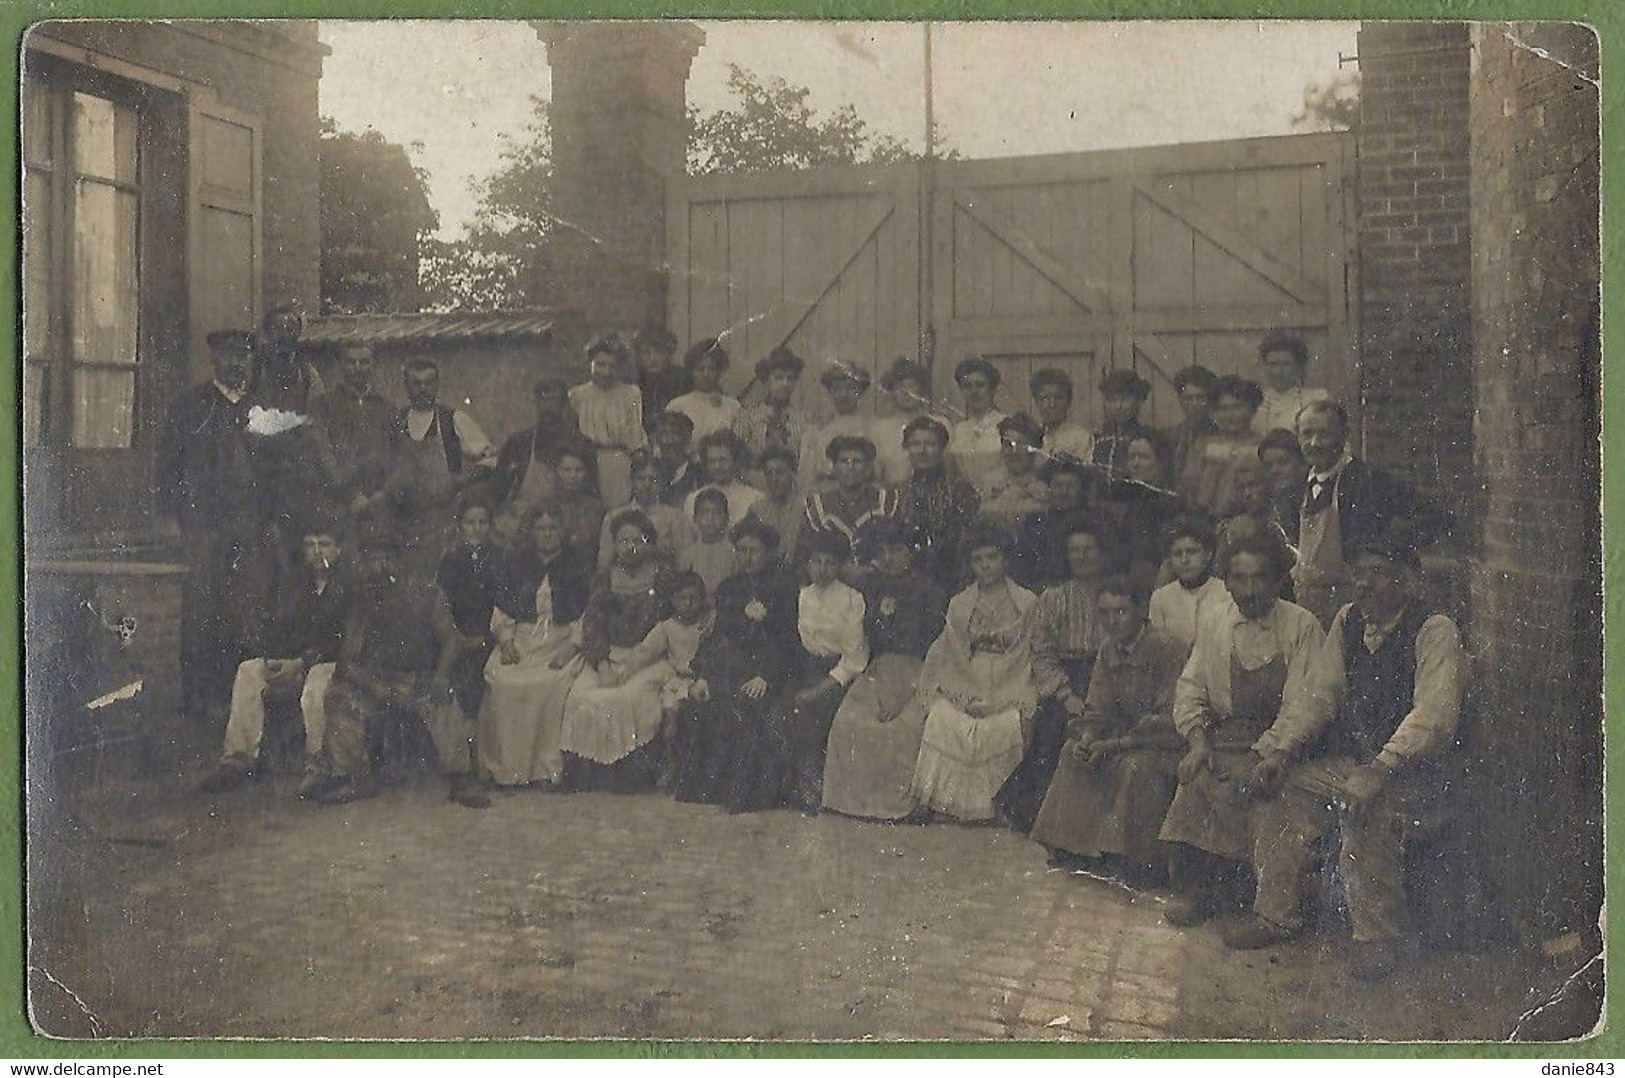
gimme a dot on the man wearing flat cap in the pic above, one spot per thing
(1359, 746)
(205, 482)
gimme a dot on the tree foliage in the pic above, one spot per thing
(773, 126)
(507, 257)
(376, 223)
(1330, 105)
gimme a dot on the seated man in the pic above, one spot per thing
(1381, 702)
(400, 645)
(1250, 653)
(299, 651)
(1119, 767)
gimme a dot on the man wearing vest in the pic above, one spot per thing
(435, 453)
(1379, 709)
(1345, 502)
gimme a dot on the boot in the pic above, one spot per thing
(1189, 909)
(1256, 933)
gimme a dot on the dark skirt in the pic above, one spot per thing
(785, 762)
(713, 742)
(1022, 794)
(1116, 807)
(636, 772)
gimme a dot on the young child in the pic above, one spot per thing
(829, 618)
(711, 555)
(1177, 605)
(677, 641)
(399, 648)
(300, 650)
(469, 577)
(610, 414)
(707, 405)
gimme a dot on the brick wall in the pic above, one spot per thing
(619, 125)
(1415, 314)
(1536, 584)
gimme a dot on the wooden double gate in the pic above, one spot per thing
(1142, 258)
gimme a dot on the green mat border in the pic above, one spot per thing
(17, 1039)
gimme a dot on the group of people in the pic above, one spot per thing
(1185, 653)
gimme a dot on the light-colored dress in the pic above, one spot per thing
(523, 710)
(612, 419)
(708, 412)
(982, 661)
(602, 723)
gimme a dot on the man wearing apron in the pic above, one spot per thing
(1345, 502)
(436, 452)
(1249, 652)
(1371, 726)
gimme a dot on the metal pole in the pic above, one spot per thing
(926, 345)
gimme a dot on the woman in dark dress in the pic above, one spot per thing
(1141, 506)
(610, 729)
(744, 668)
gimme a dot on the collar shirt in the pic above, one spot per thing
(1441, 665)
(1287, 631)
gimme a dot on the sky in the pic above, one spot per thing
(1000, 89)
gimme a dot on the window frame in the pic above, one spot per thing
(54, 413)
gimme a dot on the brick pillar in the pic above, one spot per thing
(1537, 612)
(620, 128)
(1415, 313)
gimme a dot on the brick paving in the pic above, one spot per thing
(158, 911)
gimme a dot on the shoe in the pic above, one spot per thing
(225, 776)
(1374, 960)
(315, 781)
(345, 791)
(469, 792)
(1256, 933)
(1187, 911)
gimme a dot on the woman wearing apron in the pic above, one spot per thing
(1247, 651)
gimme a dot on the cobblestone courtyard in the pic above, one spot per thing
(158, 911)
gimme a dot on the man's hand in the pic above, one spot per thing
(1073, 704)
(755, 688)
(1197, 758)
(700, 690)
(508, 651)
(1361, 787)
(1266, 776)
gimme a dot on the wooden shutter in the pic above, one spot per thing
(223, 224)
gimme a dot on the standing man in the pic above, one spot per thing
(436, 451)
(206, 484)
(975, 439)
(525, 474)
(1052, 399)
(355, 419)
(1345, 502)
(281, 378)
(1381, 705)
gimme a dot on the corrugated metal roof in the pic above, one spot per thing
(426, 328)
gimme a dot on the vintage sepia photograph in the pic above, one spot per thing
(812, 531)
